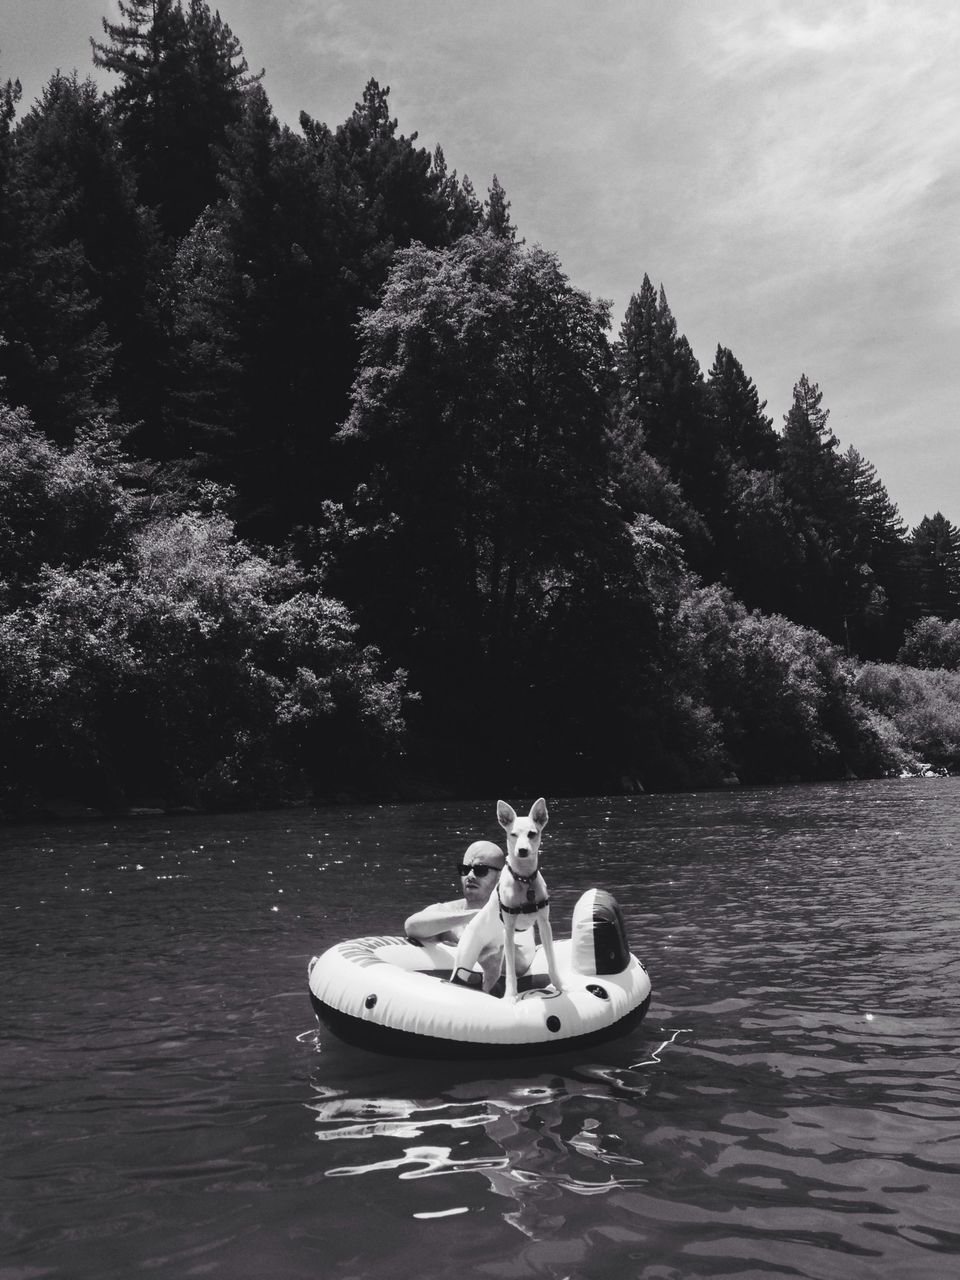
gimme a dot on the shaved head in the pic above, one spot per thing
(485, 851)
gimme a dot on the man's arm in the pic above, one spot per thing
(442, 917)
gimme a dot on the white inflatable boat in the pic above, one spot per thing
(390, 994)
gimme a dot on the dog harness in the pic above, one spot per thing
(526, 908)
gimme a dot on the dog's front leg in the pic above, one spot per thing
(509, 958)
(546, 939)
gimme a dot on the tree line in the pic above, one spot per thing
(318, 479)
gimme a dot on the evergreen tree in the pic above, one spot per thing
(263, 297)
(878, 550)
(10, 94)
(79, 194)
(742, 428)
(752, 527)
(934, 561)
(851, 585)
(406, 196)
(464, 213)
(183, 78)
(265, 292)
(663, 400)
(762, 548)
(57, 356)
(810, 465)
(817, 484)
(497, 212)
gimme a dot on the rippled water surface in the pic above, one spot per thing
(790, 1106)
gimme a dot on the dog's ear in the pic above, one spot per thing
(505, 815)
(538, 813)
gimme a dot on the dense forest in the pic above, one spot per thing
(317, 479)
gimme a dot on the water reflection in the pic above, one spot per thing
(527, 1142)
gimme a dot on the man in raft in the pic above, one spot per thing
(446, 921)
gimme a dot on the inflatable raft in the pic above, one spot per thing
(390, 994)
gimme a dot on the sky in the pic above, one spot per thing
(788, 170)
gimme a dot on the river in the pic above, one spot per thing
(789, 1107)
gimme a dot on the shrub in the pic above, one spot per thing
(191, 669)
(57, 507)
(924, 705)
(932, 643)
(784, 697)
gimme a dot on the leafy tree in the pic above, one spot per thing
(183, 79)
(191, 670)
(641, 486)
(780, 693)
(485, 553)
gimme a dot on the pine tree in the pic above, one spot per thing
(497, 212)
(263, 296)
(402, 189)
(57, 355)
(742, 428)
(464, 213)
(810, 464)
(183, 79)
(839, 593)
(662, 400)
(934, 559)
(266, 291)
(81, 195)
(10, 94)
(876, 548)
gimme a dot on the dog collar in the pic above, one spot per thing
(523, 879)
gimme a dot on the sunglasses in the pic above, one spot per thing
(478, 869)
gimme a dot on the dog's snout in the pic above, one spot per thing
(522, 853)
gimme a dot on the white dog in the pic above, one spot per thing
(519, 901)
